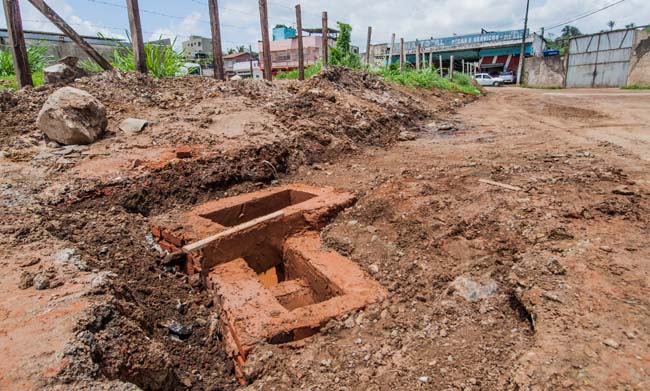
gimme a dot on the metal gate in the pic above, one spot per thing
(600, 60)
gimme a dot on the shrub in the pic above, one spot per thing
(6, 63)
(162, 60)
(636, 87)
(310, 71)
(340, 55)
(35, 56)
(429, 78)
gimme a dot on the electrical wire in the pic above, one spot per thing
(582, 16)
(46, 22)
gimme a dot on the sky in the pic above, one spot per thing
(410, 19)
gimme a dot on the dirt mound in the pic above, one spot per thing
(99, 199)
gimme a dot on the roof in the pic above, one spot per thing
(320, 30)
(235, 55)
(54, 36)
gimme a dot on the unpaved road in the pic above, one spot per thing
(571, 247)
(544, 288)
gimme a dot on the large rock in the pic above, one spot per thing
(64, 71)
(72, 116)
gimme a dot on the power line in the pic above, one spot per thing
(583, 15)
(160, 13)
(125, 29)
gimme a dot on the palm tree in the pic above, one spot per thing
(611, 24)
(570, 31)
(629, 26)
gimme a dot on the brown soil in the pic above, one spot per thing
(540, 289)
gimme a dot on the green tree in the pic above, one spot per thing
(562, 42)
(340, 54)
(611, 24)
(237, 49)
(629, 26)
(570, 31)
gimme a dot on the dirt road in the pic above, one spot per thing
(511, 234)
(571, 248)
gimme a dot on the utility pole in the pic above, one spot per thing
(440, 63)
(401, 54)
(451, 67)
(368, 46)
(301, 50)
(250, 59)
(266, 44)
(217, 53)
(17, 43)
(390, 51)
(417, 56)
(522, 50)
(136, 36)
(325, 40)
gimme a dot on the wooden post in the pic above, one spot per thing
(136, 36)
(401, 54)
(431, 59)
(451, 67)
(250, 60)
(217, 53)
(325, 40)
(266, 44)
(368, 46)
(522, 50)
(17, 43)
(301, 50)
(390, 51)
(464, 66)
(417, 56)
(440, 62)
(69, 31)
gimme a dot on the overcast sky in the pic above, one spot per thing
(410, 19)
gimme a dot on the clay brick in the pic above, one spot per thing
(170, 248)
(184, 152)
(155, 231)
(171, 238)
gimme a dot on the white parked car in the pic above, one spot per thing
(508, 77)
(486, 80)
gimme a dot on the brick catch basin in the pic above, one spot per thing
(266, 265)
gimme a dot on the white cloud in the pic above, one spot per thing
(34, 20)
(410, 19)
(181, 30)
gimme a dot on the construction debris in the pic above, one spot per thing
(390, 269)
(133, 125)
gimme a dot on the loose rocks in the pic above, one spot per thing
(72, 116)
(133, 125)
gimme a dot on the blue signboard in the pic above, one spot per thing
(464, 40)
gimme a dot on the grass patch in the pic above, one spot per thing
(429, 78)
(310, 72)
(9, 81)
(636, 87)
(37, 61)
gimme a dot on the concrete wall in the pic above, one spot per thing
(545, 71)
(639, 71)
(59, 46)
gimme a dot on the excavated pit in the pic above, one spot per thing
(261, 255)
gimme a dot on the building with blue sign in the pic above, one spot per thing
(283, 32)
(492, 51)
